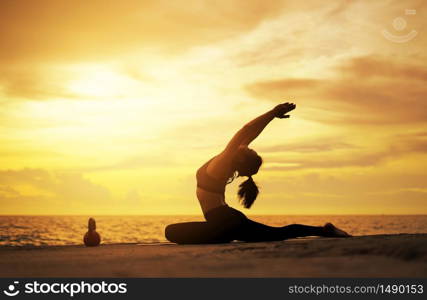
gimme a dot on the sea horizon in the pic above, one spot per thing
(55, 230)
(195, 214)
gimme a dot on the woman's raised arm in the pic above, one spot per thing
(253, 129)
(219, 166)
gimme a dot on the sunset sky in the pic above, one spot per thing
(109, 107)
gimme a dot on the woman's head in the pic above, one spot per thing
(247, 163)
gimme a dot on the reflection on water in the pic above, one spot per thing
(69, 230)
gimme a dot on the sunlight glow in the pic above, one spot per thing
(99, 81)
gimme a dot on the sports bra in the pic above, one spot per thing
(207, 182)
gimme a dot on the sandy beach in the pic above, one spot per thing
(402, 255)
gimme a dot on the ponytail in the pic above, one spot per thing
(248, 191)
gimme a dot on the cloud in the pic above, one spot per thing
(339, 8)
(8, 192)
(319, 145)
(36, 36)
(368, 67)
(68, 30)
(402, 145)
(361, 160)
(270, 51)
(291, 84)
(33, 82)
(50, 188)
(366, 90)
(317, 191)
(411, 196)
(158, 160)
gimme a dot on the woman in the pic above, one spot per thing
(223, 223)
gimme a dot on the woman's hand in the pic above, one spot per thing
(281, 110)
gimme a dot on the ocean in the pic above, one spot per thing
(69, 230)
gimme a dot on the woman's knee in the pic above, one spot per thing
(171, 232)
(168, 232)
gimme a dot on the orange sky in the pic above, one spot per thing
(109, 107)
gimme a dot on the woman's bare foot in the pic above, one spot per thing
(332, 231)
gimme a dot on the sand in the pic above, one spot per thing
(403, 255)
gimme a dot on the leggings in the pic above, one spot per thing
(225, 224)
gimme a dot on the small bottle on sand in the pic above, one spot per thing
(91, 238)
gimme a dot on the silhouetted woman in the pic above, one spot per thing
(223, 223)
